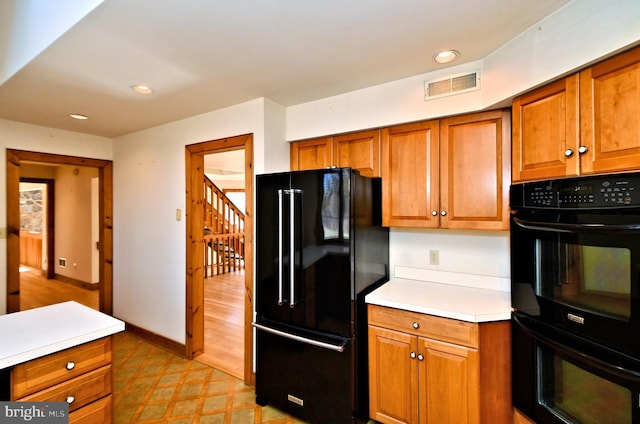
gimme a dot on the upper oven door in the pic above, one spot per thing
(580, 271)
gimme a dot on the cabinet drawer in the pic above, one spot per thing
(445, 329)
(32, 376)
(98, 412)
(82, 390)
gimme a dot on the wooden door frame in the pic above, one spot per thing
(50, 214)
(105, 200)
(194, 170)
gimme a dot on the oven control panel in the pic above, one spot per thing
(590, 192)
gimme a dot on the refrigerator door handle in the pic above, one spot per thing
(292, 250)
(280, 252)
(336, 348)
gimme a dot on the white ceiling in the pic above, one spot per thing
(203, 55)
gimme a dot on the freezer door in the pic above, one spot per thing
(304, 272)
(312, 383)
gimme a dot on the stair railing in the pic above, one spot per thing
(224, 232)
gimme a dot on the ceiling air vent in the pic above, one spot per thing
(451, 85)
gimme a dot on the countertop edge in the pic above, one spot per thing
(444, 313)
(96, 325)
(62, 345)
(409, 295)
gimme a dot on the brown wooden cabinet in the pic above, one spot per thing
(81, 376)
(359, 150)
(520, 418)
(451, 173)
(585, 123)
(432, 370)
(410, 175)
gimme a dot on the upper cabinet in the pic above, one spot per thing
(359, 150)
(452, 173)
(585, 123)
(311, 154)
(546, 131)
(610, 114)
(410, 175)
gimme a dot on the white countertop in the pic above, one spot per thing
(33, 333)
(470, 304)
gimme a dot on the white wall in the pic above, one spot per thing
(470, 252)
(579, 33)
(149, 170)
(73, 222)
(32, 25)
(19, 136)
(149, 185)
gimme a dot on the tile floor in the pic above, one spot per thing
(153, 385)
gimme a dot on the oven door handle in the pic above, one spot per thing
(581, 356)
(572, 228)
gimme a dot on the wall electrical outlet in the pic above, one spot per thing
(62, 262)
(434, 257)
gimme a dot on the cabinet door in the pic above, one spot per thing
(610, 114)
(393, 376)
(546, 132)
(449, 383)
(359, 151)
(410, 175)
(475, 154)
(311, 154)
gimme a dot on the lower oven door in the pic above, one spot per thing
(559, 378)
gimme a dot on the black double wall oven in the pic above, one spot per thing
(575, 271)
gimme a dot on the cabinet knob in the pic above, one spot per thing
(420, 357)
(413, 355)
(70, 365)
(583, 149)
(434, 212)
(70, 399)
(415, 325)
(568, 152)
(443, 212)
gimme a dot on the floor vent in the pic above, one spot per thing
(455, 84)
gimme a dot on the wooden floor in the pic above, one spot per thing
(36, 291)
(224, 312)
(224, 323)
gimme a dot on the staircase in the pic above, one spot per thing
(223, 232)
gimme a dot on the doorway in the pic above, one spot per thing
(224, 262)
(14, 160)
(37, 236)
(195, 249)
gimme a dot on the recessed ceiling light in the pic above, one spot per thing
(78, 116)
(446, 56)
(142, 89)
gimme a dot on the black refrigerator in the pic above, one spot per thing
(320, 248)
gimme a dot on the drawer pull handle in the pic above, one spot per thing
(413, 355)
(70, 399)
(416, 325)
(70, 365)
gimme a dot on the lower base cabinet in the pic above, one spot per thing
(426, 369)
(81, 376)
(100, 411)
